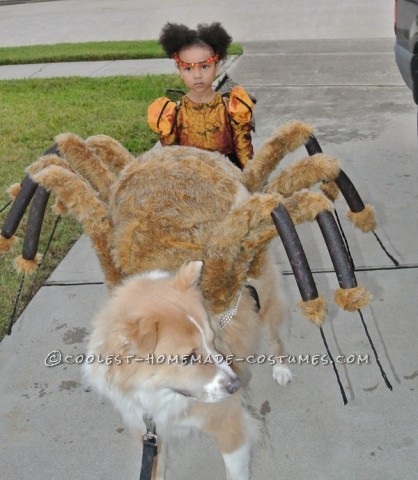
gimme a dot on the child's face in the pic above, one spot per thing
(199, 75)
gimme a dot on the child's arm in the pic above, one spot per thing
(161, 119)
(240, 110)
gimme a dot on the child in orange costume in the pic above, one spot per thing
(203, 118)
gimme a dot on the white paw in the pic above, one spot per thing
(282, 374)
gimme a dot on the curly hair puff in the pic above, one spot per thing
(176, 36)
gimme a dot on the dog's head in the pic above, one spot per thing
(157, 330)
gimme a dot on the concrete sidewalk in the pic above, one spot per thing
(52, 426)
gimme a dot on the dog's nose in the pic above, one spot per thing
(233, 386)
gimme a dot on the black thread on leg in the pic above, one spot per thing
(396, 263)
(57, 221)
(356, 204)
(5, 206)
(12, 316)
(388, 384)
(334, 367)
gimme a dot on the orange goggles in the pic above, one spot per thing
(208, 61)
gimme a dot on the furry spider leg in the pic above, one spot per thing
(29, 260)
(112, 153)
(350, 296)
(286, 139)
(361, 215)
(85, 161)
(312, 305)
(240, 239)
(11, 223)
(82, 201)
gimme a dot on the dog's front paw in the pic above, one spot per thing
(282, 374)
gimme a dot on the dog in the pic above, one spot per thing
(169, 359)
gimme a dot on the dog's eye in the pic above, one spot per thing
(190, 359)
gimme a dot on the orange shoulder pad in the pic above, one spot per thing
(240, 105)
(161, 115)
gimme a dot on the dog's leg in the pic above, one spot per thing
(237, 463)
(234, 431)
(272, 313)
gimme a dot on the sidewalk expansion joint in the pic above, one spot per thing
(412, 266)
(284, 272)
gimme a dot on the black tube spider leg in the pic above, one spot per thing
(29, 191)
(304, 277)
(350, 296)
(352, 197)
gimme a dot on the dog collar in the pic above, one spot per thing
(229, 314)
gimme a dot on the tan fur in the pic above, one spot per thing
(351, 299)
(110, 151)
(364, 220)
(305, 173)
(14, 190)
(177, 204)
(48, 161)
(286, 139)
(314, 310)
(7, 244)
(330, 190)
(304, 206)
(27, 267)
(84, 160)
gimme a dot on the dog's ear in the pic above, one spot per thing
(142, 332)
(188, 275)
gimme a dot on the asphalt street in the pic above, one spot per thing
(345, 82)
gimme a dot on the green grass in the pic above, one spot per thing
(72, 52)
(33, 112)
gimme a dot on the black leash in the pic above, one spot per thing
(22, 280)
(150, 448)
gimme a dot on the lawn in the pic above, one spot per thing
(72, 52)
(34, 112)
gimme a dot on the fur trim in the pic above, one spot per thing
(286, 139)
(351, 299)
(14, 190)
(330, 190)
(314, 310)
(364, 220)
(304, 206)
(60, 208)
(47, 161)
(304, 174)
(110, 151)
(6, 244)
(86, 162)
(27, 267)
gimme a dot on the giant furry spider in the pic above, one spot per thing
(176, 204)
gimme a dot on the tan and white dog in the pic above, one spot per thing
(168, 360)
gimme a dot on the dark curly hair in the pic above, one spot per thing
(175, 36)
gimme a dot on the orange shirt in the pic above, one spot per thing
(217, 125)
